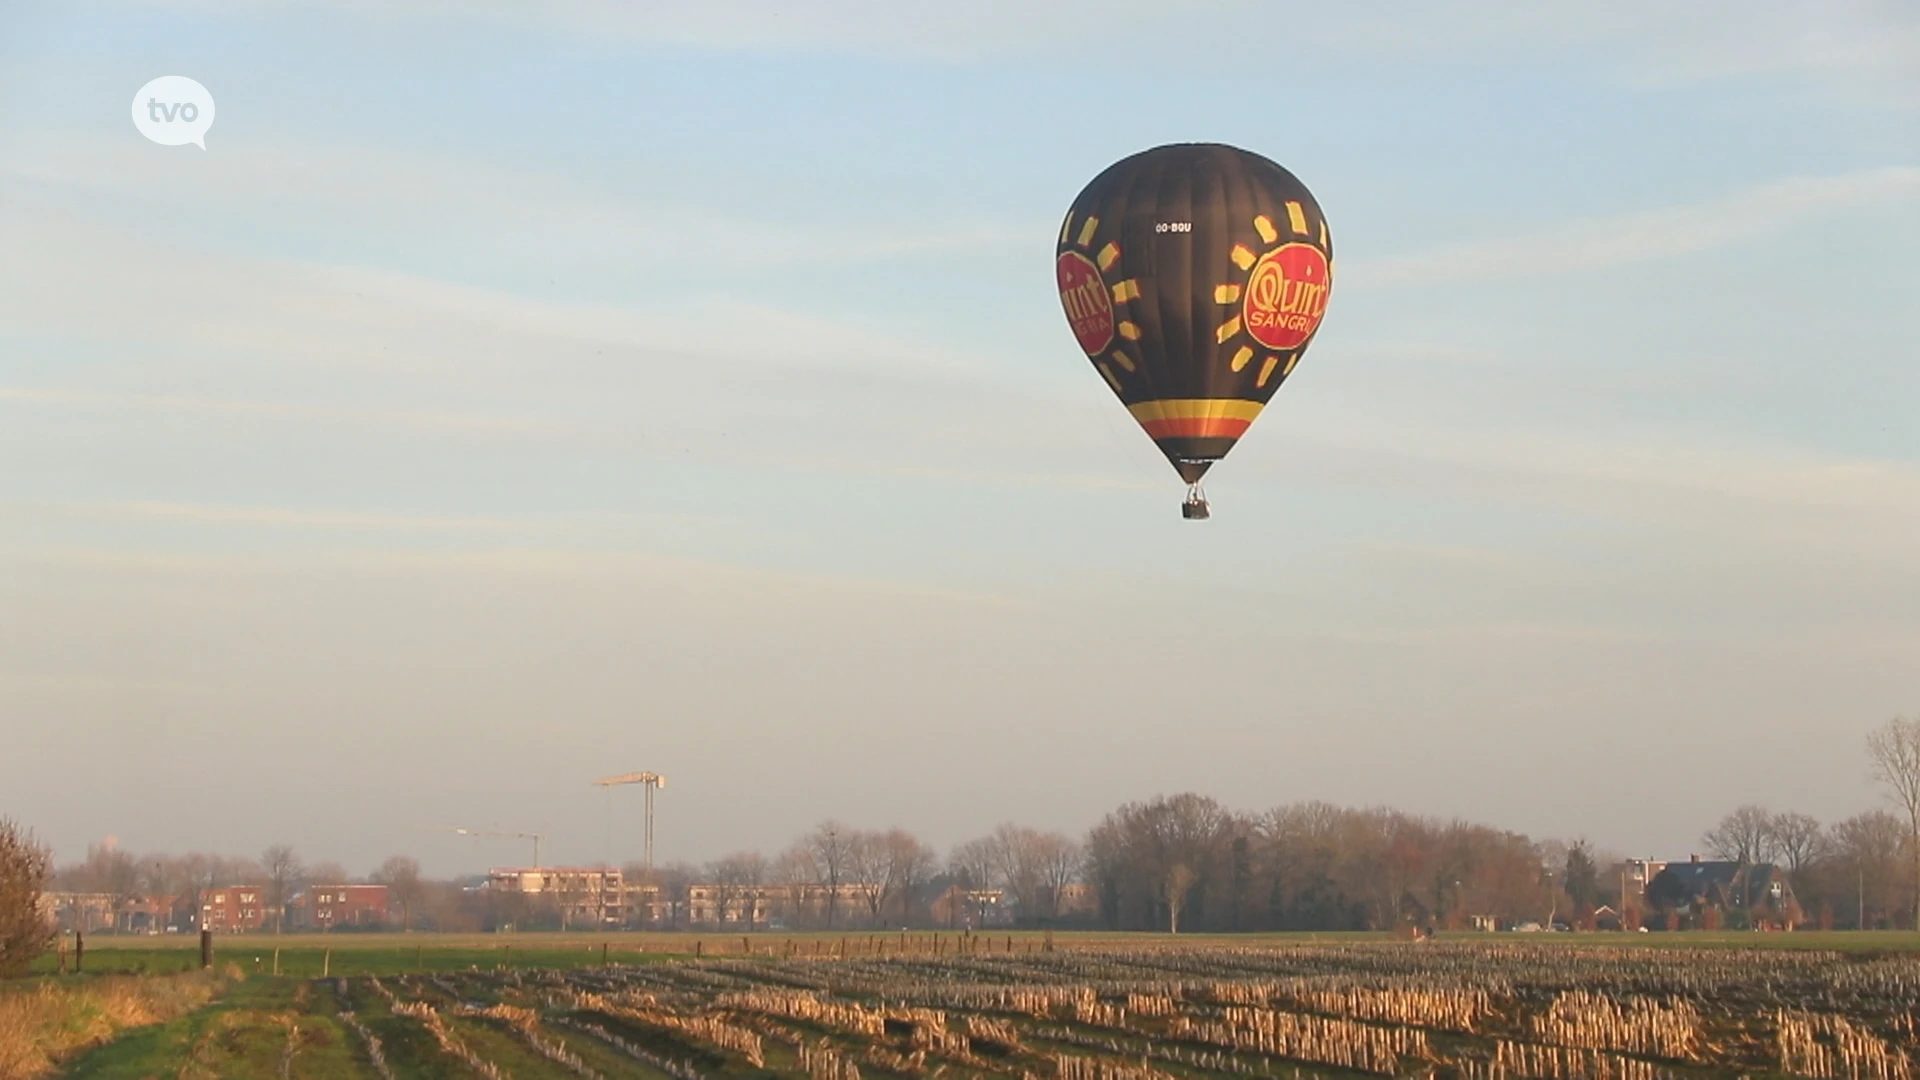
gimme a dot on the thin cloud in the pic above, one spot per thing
(1644, 41)
(271, 516)
(414, 420)
(547, 212)
(1603, 243)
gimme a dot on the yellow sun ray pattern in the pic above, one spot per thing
(1086, 230)
(1126, 290)
(1108, 255)
(1296, 217)
(1266, 370)
(1241, 356)
(1227, 330)
(1323, 235)
(1291, 360)
(1242, 258)
(1066, 228)
(1128, 330)
(1226, 294)
(1268, 234)
(1107, 373)
(1121, 358)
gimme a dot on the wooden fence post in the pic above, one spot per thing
(79, 951)
(206, 949)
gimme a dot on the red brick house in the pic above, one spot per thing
(327, 907)
(233, 908)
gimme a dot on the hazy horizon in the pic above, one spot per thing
(505, 399)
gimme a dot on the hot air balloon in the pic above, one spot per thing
(1194, 276)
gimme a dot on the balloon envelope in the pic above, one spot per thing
(1194, 276)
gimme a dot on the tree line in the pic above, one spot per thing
(1181, 862)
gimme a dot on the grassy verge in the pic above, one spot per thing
(260, 1027)
(44, 1022)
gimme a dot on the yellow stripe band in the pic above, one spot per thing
(1196, 409)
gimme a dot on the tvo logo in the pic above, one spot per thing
(174, 110)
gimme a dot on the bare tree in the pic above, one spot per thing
(727, 883)
(1034, 866)
(1744, 836)
(327, 872)
(909, 864)
(401, 875)
(797, 870)
(283, 870)
(1059, 859)
(866, 870)
(168, 878)
(970, 866)
(1895, 750)
(1799, 839)
(753, 869)
(25, 868)
(107, 870)
(1180, 879)
(831, 844)
(1869, 847)
(675, 881)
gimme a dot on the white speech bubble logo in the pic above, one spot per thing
(173, 110)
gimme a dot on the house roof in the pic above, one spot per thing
(1743, 883)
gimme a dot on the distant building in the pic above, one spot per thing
(146, 914)
(592, 895)
(85, 912)
(972, 909)
(746, 906)
(233, 909)
(331, 907)
(1758, 893)
(1078, 899)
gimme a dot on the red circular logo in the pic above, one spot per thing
(1286, 295)
(1088, 304)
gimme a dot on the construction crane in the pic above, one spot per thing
(535, 837)
(650, 781)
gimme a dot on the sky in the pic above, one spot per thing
(513, 394)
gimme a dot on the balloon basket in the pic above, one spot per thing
(1195, 508)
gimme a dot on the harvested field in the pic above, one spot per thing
(1484, 1011)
